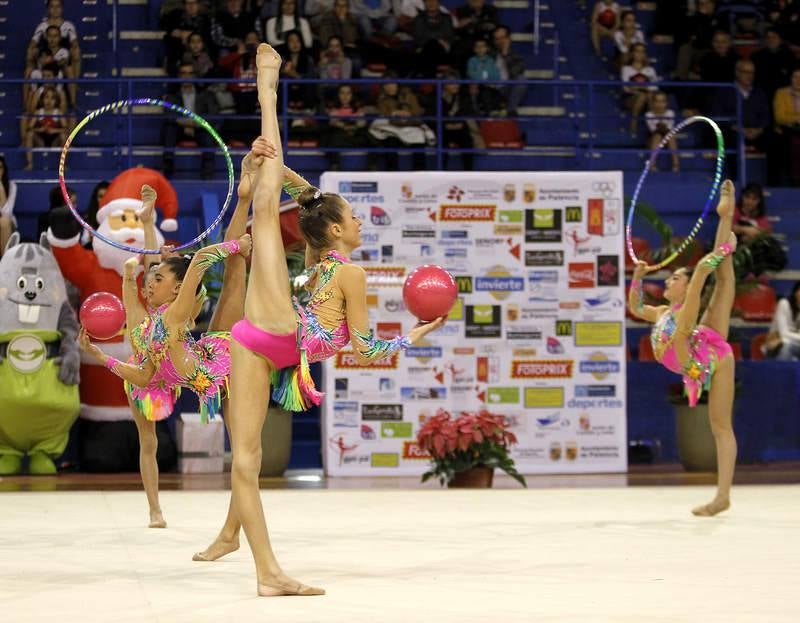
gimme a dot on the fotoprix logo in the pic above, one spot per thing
(466, 212)
(499, 283)
(542, 225)
(544, 258)
(378, 216)
(599, 365)
(545, 369)
(573, 214)
(347, 360)
(581, 275)
(608, 270)
(358, 187)
(412, 452)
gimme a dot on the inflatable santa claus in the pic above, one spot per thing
(100, 270)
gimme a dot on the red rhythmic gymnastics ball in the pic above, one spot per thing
(102, 315)
(429, 292)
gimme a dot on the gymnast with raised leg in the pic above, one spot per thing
(166, 357)
(276, 340)
(700, 352)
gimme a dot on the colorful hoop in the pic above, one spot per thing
(711, 194)
(150, 102)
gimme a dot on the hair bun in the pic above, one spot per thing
(309, 198)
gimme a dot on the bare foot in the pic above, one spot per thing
(279, 586)
(216, 550)
(268, 63)
(157, 520)
(727, 195)
(714, 507)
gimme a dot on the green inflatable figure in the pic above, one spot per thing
(39, 359)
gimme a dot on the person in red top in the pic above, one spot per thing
(750, 218)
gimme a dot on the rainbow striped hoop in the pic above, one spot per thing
(711, 193)
(146, 101)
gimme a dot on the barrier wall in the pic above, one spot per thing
(536, 335)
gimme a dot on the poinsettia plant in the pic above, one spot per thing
(470, 440)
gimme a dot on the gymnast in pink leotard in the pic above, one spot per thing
(699, 351)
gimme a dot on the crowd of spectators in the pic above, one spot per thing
(340, 40)
(754, 46)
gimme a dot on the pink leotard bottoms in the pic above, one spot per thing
(280, 350)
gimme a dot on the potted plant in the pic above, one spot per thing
(465, 450)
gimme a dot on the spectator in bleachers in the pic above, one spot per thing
(347, 126)
(241, 63)
(179, 25)
(789, 21)
(180, 129)
(476, 19)
(398, 106)
(90, 216)
(174, 131)
(433, 34)
(605, 21)
(288, 18)
(660, 119)
(375, 17)
(511, 67)
(786, 109)
(8, 196)
(482, 66)
(340, 22)
(755, 109)
(719, 65)
(195, 55)
(774, 63)
(694, 38)
(67, 32)
(298, 62)
(786, 327)
(628, 34)
(458, 134)
(333, 63)
(231, 25)
(750, 217)
(47, 127)
(638, 71)
(313, 10)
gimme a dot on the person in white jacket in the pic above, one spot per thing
(785, 323)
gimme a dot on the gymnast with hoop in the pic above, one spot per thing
(166, 357)
(276, 341)
(700, 352)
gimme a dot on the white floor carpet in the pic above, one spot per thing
(620, 555)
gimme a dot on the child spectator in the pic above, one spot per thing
(347, 127)
(605, 21)
(288, 18)
(638, 71)
(660, 119)
(626, 36)
(47, 127)
(196, 56)
(67, 33)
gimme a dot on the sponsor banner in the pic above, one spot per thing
(535, 334)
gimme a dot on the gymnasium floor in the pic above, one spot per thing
(570, 548)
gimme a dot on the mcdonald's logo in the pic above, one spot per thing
(563, 327)
(573, 214)
(464, 285)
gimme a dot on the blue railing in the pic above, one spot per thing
(583, 118)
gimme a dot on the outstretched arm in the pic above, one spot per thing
(353, 282)
(136, 375)
(181, 309)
